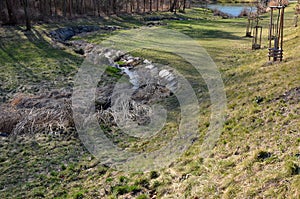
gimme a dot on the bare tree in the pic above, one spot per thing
(138, 6)
(27, 19)
(184, 5)
(174, 6)
(37, 9)
(162, 2)
(64, 8)
(12, 19)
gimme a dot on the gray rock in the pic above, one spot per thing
(3, 134)
(64, 34)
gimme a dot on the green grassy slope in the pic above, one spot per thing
(258, 152)
(30, 64)
(257, 155)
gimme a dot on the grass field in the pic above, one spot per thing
(256, 156)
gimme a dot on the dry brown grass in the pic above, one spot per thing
(8, 119)
(50, 113)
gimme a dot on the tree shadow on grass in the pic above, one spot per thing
(205, 29)
(47, 50)
(207, 33)
(28, 59)
(10, 57)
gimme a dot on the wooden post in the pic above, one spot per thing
(271, 26)
(281, 32)
(249, 27)
(257, 33)
(256, 42)
(276, 34)
(260, 36)
(296, 20)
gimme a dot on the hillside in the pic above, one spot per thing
(256, 156)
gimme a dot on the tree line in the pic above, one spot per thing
(24, 11)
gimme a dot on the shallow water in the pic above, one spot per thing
(231, 9)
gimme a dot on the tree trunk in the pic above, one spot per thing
(126, 6)
(64, 8)
(114, 7)
(12, 19)
(99, 8)
(82, 7)
(25, 6)
(132, 6)
(43, 7)
(174, 6)
(138, 6)
(55, 7)
(150, 2)
(50, 7)
(162, 5)
(70, 8)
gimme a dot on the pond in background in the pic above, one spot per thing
(231, 9)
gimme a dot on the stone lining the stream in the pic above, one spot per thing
(149, 83)
(142, 71)
(137, 69)
(64, 34)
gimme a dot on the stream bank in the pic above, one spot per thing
(50, 112)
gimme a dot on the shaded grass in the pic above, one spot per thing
(28, 60)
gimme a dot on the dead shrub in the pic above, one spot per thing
(9, 118)
(50, 113)
(244, 13)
